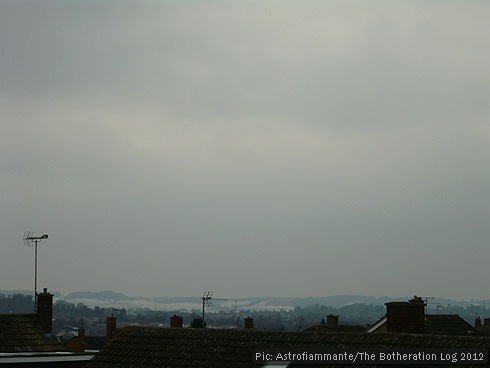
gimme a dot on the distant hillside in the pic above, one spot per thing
(341, 300)
(101, 295)
(26, 292)
(112, 299)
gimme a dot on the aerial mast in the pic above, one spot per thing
(207, 298)
(30, 240)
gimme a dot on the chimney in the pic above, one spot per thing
(198, 322)
(45, 311)
(81, 333)
(110, 327)
(407, 317)
(248, 323)
(477, 323)
(486, 323)
(332, 320)
(176, 321)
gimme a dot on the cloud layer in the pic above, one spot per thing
(252, 148)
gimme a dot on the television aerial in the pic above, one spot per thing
(207, 300)
(31, 240)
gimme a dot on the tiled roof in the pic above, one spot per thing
(337, 328)
(178, 348)
(447, 324)
(95, 342)
(438, 324)
(79, 344)
(22, 333)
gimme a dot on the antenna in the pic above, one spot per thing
(207, 298)
(30, 240)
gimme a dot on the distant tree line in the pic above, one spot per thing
(16, 303)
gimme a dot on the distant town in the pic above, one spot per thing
(53, 330)
(89, 310)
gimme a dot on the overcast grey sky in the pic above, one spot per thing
(254, 148)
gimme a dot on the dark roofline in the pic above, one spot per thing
(224, 348)
(331, 336)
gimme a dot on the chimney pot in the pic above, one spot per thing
(176, 321)
(486, 323)
(110, 327)
(332, 320)
(248, 323)
(477, 323)
(198, 322)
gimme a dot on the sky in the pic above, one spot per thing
(253, 148)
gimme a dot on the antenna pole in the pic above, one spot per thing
(203, 301)
(35, 273)
(206, 299)
(30, 240)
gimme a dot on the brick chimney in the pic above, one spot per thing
(110, 327)
(248, 323)
(486, 323)
(407, 317)
(198, 322)
(477, 323)
(332, 320)
(176, 321)
(45, 311)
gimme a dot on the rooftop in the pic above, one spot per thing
(447, 324)
(22, 333)
(179, 348)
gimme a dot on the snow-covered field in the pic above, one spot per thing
(132, 304)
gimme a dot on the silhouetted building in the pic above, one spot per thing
(410, 317)
(332, 325)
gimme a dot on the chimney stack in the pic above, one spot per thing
(110, 327)
(486, 323)
(477, 323)
(407, 317)
(45, 311)
(332, 320)
(248, 323)
(198, 322)
(176, 321)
